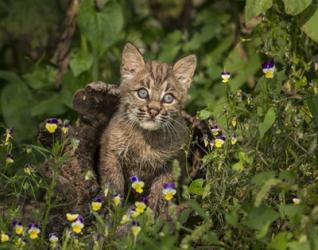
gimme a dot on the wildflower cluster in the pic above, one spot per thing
(32, 231)
(53, 124)
(77, 222)
(218, 137)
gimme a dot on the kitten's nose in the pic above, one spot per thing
(153, 112)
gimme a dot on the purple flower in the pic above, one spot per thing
(134, 179)
(169, 186)
(225, 76)
(135, 223)
(52, 121)
(268, 69)
(144, 200)
(268, 65)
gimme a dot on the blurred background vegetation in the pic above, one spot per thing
(49, 49)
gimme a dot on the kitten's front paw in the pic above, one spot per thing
(156, 203)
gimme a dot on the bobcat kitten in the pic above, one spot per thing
(147, 131)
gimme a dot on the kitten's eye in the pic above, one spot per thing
(142, 93)
(168, 98)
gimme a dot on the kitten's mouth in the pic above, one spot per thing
(150, 124)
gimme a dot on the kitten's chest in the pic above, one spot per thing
(143, 152)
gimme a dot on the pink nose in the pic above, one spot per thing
(153, 112)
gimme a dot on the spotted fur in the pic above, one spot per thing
(146, 134)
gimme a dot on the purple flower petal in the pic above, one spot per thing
(134, 179)
(98, 199)
(144, 200)
(52, 121)
(268, 65)
(135, 223)
(169, 186)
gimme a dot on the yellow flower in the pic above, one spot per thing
(140, 207)
(96, 204)
(268, 69)
(71, 217)
(28, 170)
(33, 231)
(233, 139)
(125, 219)
(269, 74)
(53, 239)
(218, 143)
(51, 125)
(135, 229)
(234, 122)
(78, 225)
(4, 237)
(225, 76)
(296, 201)
(64, 130)
(137, 185)
(169, 191)
(133, 213)
(18, 228)
(9, 159)
(116, 199)
(169, 196)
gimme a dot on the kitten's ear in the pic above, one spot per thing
(131, 61)
(184, 69)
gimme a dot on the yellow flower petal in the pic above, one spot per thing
(96, 206)
(269, 74)
(77, 229)
(51, 128)
(71, 217)
(33, 235)
(19, 230)
(168, 196)
(135, 230)
(4, 237)
(125, 219)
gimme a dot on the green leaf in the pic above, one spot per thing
(280, 241)
(262, 178)
(101, 28)
(312, 103)
(81, 61)
(261, 216)
(51, 106)
(310, 27)
(239, 166)
(170, 47)
(41, 78)
(265, 189)
(197, 208)
(294, 7)
(255, 7)
(269, 120)
(204, 114)
(196, 187)
(294, 212)
(15, 100)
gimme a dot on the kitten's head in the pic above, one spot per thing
(153, 93)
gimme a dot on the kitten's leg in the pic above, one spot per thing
(110, 171)
(155, 197)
